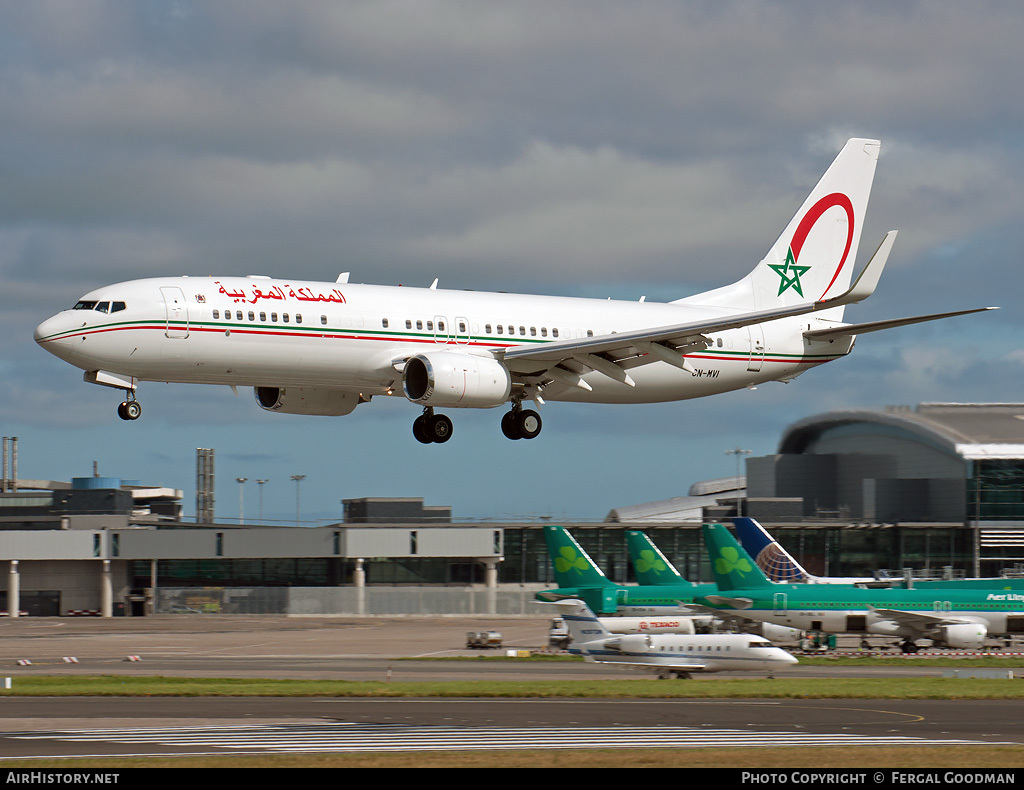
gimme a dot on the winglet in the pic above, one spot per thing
(868, 278)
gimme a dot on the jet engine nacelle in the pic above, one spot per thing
(451, 379)
(773, 632)
(631, 643)
(306, 400)
(969, 635)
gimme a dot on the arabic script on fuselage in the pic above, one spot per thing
(282, 293)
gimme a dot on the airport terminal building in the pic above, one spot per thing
(936, 490)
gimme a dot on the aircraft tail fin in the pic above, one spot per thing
(582, 623)
(732, 566)
(651, 566)
(814, 257)
(776, 563)
(573, 566)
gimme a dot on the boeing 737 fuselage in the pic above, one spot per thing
(324, 348)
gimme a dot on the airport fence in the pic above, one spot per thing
(348, 601)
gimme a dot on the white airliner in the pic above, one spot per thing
(324, 348)
(668, 654)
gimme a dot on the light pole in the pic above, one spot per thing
(260, 484)
(241, 499)
(298, 510)
(738, 453)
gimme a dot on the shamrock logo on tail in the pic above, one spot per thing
(649, 561)
(569, 560)
(730, 560)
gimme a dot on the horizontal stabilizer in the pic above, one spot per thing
(875, 326)
(735, 603)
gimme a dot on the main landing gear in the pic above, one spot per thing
(430, 428)
(521, 423)
(130, 409)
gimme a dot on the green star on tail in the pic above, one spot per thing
(790, 274)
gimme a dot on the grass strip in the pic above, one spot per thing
(702, 687)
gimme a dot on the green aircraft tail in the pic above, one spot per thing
(651, 566)
(573, 566)
(732, 566)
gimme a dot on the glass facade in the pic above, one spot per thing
(995, 490)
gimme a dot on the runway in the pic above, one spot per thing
(373, 650)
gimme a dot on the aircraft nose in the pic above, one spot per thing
(45, 330)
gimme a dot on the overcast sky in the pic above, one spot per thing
(620, 149)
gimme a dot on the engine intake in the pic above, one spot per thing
(306, 400)
(458, 380)
(967, 635)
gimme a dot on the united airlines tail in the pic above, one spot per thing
(777, 563)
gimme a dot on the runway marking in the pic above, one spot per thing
(357, 737)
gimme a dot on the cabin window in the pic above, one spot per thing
(719, 342)
(408, 324)
(323, 320)
(273, 317)
(522, 330)
(216, 314)
(252, 316)
(440, 326)
(543, 331)
(263, 316)
(419, 324)
(238, 315)
(284, 317)
(430, 326)
(462, 326)
(501, 329)
(487, 329)
(554, 332)
(298, 318)
(533, 331)
(590, 333)
(384, 323)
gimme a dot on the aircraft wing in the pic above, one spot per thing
(681, 666)
(734, 603)
(922, 621)
(612, 354)
(875, 326)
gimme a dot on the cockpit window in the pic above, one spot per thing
(102, 307)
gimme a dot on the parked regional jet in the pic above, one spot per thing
(951, 616)
(324, 348)
(669, 654)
